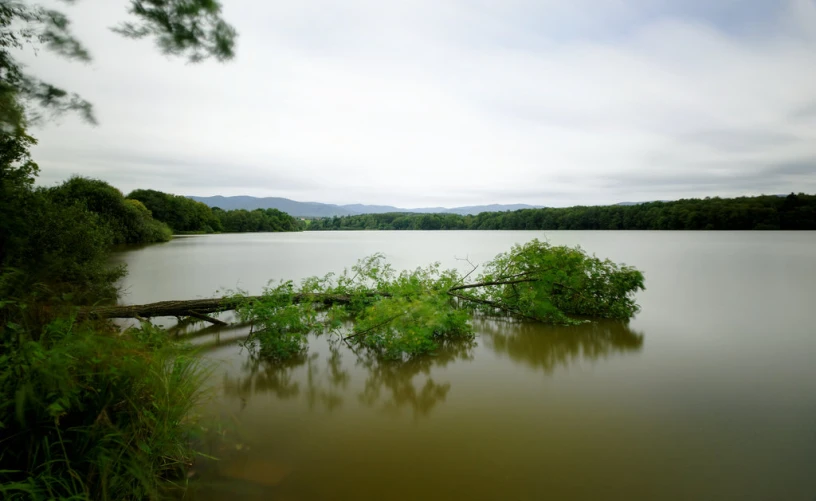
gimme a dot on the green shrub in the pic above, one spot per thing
(91, 414)
(399, 316)
(129, 221)
(63, 259)
(142, 228)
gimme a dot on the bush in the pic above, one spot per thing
(87, 413)
(128, 220)
(143, 228)
(62, 260)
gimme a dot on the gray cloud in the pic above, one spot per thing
(738, 179)
(805, 112)
(420, 102)
(185, 175)
(739, 140)
(803, 170)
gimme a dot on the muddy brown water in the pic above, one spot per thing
(709, 393)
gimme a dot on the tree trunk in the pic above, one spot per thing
(199, 308)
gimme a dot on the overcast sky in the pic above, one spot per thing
(453, 102)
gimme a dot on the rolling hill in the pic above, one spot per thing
(316, 209)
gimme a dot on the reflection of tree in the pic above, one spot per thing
(334, 376)
(261, 376)
(393, 382)
(280, 379)
(390, 385)
(547, 347)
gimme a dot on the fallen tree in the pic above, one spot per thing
(403, 314)
(197, 308)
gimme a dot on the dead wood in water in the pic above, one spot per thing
(201, 316)
(200, 308)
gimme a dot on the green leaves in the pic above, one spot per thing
(552, 284)
(192, 29)
(397, 316)
(279, 324)
(84, 407)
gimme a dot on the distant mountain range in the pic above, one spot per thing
(315, 209)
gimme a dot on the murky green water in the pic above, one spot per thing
(710, 393)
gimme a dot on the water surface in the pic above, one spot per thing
(709, 393)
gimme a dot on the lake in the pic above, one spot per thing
(708, 393)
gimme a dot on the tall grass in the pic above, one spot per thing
(89, 413)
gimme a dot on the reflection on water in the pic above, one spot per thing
(265, 377)
(389, 386)
(393, 385)
(547, 347)
(273, 402)
(322, 379)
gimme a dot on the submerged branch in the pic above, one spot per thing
(201, 307)
(493, 304)
(206, 318)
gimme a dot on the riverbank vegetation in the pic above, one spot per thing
(793, 212)
(87, 412)
(185, 215)
(127, 220)
(181, 214)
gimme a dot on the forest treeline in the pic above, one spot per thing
(184, 215)
(144, 216)
(792, 212)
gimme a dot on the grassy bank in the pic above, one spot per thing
(87, 412)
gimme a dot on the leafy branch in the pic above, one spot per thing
(398, 316)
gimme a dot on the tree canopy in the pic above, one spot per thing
(185, 215)
(258, 220)
(129, 221)
(180, 213)
(792, 212)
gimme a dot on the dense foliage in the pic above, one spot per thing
(89, 413)
(793, 212)
(17, 173)
(180, 213)
(242, 221)
(54, 242)
(129, 221)
(400, 315)
(184, 215)
(86, 412)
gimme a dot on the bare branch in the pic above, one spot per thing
(206, 318)
(473, 268)
(487, 284)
